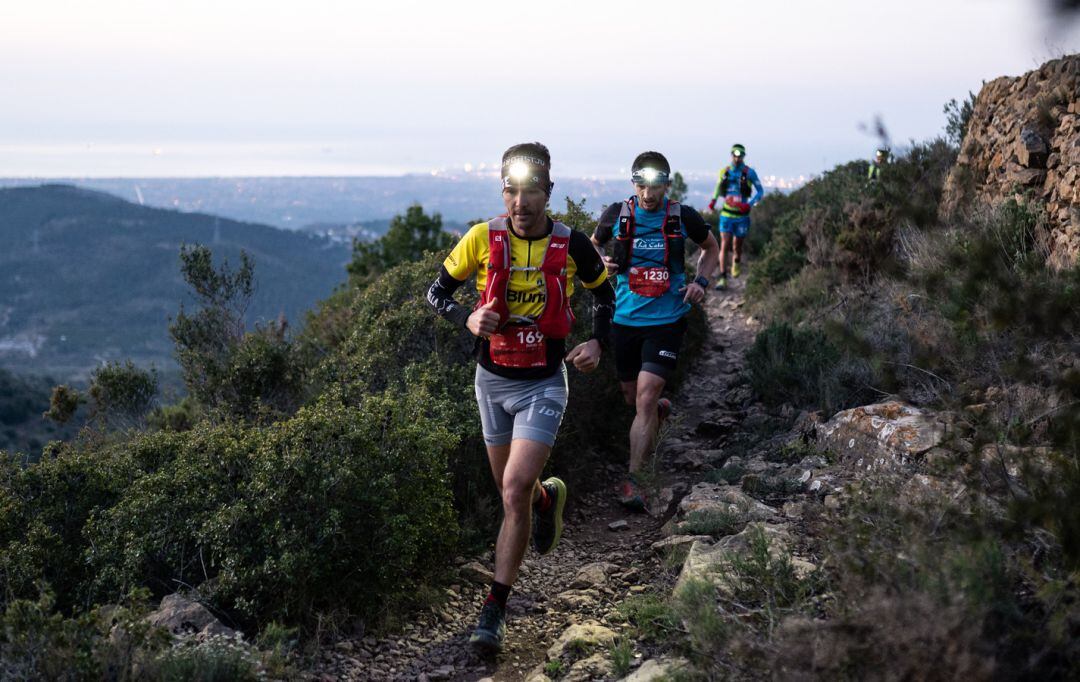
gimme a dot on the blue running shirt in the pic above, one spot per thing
(641, 311)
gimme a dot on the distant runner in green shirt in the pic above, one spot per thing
(874, 171)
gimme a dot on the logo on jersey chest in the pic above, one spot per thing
(642, 243)
(525, 296)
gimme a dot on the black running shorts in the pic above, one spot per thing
(653, 349)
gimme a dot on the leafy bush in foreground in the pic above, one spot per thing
(336, 509)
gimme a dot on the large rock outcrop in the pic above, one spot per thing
(884, 435)
(1024, 135)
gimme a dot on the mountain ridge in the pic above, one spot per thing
(88, 277)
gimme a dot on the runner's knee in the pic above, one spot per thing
(517, 496)
(647, 396)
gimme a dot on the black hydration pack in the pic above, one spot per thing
(674, 244)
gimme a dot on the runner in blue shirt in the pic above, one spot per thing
(741, 189)
(652, 296)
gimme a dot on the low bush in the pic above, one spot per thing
(110, 643)
(336, 509)
(653, 618)
(715, 522)
(804, 368)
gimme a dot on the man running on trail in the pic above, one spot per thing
(653, 295)
(873, 173)
(741, 189)
(524, 265)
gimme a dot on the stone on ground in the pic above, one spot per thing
(581, 636)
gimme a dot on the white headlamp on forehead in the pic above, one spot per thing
(519, 171)
(524, 171)
(650, 176)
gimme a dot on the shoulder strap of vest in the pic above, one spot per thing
(626, 218)
(560, 230)
(498, 243)
(673, 223)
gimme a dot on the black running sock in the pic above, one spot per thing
(499, 594)
(543, 503)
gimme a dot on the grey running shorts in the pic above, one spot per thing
(520, 408)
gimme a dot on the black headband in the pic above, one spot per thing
(526, 171)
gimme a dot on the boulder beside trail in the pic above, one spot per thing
(182, 616)
(882, 435)
(709, 562)
(707, 497)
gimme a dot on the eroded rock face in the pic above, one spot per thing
(882, 435)
(1025, 134)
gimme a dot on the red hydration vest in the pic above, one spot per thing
(517, 344)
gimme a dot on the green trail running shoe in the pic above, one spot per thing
(721, 283)
(491, 631)
(735, 269)
(547, 525)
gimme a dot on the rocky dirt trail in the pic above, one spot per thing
(605, 555)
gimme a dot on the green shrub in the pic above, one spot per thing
(622, 652)
(122, 394)
(44, 508)
(708, 629)
(214, 661)
(409, 238)
(179, 417)
(653, 618)
(837, 221)
(63, 403)
(729, 473)
(336, 509)
(39, 642)
(715, 522)
(804, 368)
(227, 370)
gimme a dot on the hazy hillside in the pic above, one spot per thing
(298, 202)
(87, 277)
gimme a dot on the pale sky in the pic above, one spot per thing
(242, 87)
